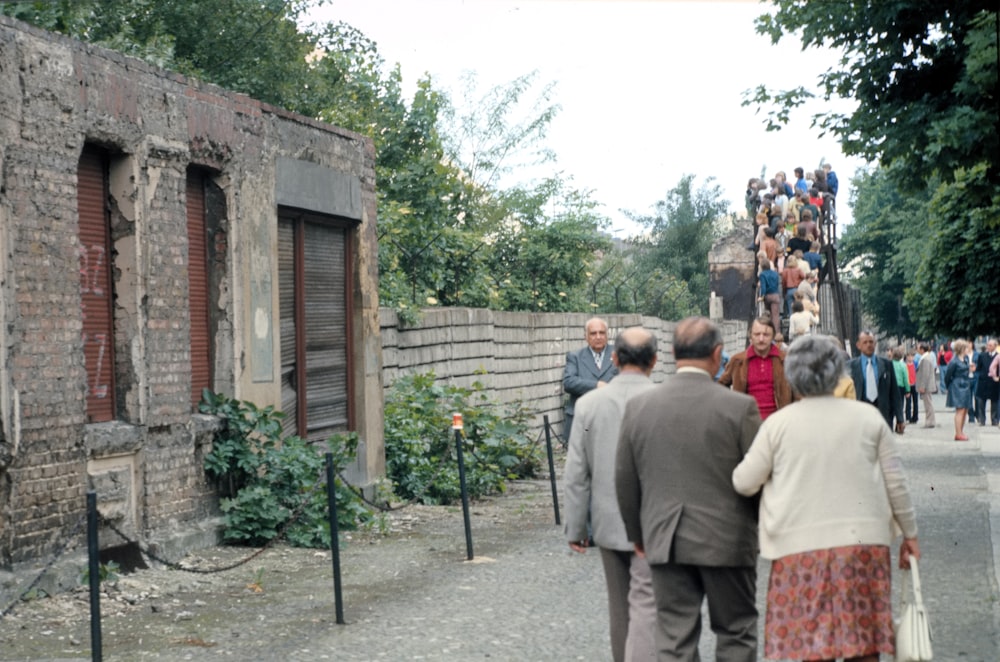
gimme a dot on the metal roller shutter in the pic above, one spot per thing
(326, 330)
(96, 284)
(201, 348)
(314, 293)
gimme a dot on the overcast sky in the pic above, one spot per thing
(650, 90)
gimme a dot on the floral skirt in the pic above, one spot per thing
(830, 603)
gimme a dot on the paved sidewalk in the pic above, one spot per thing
(536, 601)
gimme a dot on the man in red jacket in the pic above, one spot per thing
(759, 371)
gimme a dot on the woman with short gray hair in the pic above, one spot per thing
(833, 497)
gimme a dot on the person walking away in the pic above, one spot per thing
(927, 382)
(791, 276)
(827, 509)
(590, 489)
(801, 321)
(944, 358)
(672, 474)
(958, 382)
(770, 291)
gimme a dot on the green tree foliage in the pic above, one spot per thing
(924, 76)
(957, 281)
(679, 236)
(539, 237)
(253, 46)
(540, 255)
(446, 214)
(884, 246)
(502, 129)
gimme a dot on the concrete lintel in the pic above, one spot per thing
(313, 187)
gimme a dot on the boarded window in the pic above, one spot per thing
(198, 286)
(96, 284)
(314, 293)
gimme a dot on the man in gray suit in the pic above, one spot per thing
(678, 447)
(590, 483)
(927, 382)
(587, 369)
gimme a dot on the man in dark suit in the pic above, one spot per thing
(673, 477)
(587, 369)
(986, 389)
(875, 381)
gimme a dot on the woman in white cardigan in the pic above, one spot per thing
(833, 495)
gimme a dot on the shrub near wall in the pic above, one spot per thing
(516, 356)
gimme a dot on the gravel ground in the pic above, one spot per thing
(410, 594)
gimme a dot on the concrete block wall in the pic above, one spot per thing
(516, 356)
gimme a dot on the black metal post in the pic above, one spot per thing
(94, 572)
(465, 493)
(552, 468)
(331, 496)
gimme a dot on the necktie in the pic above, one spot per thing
(597, 359)
(871, 386)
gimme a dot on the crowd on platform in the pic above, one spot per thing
(792, 222)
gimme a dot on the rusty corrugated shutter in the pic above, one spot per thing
(201, 346)
(95, 284)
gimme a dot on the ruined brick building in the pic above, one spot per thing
(159, 236)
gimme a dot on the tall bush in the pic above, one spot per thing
(421, 459)
(267, 481)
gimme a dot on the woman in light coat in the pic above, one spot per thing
(958, 382)
(833, 495)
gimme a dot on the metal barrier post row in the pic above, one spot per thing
(94, 570)
(457, 425)
(552, 467)
(331, 495)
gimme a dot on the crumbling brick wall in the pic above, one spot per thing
(58, 96)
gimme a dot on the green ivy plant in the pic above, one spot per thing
(421, 458)
(266, 480)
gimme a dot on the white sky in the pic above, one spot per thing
(650, 90)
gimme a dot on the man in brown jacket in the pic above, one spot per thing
(673, 477)
(759, 371)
